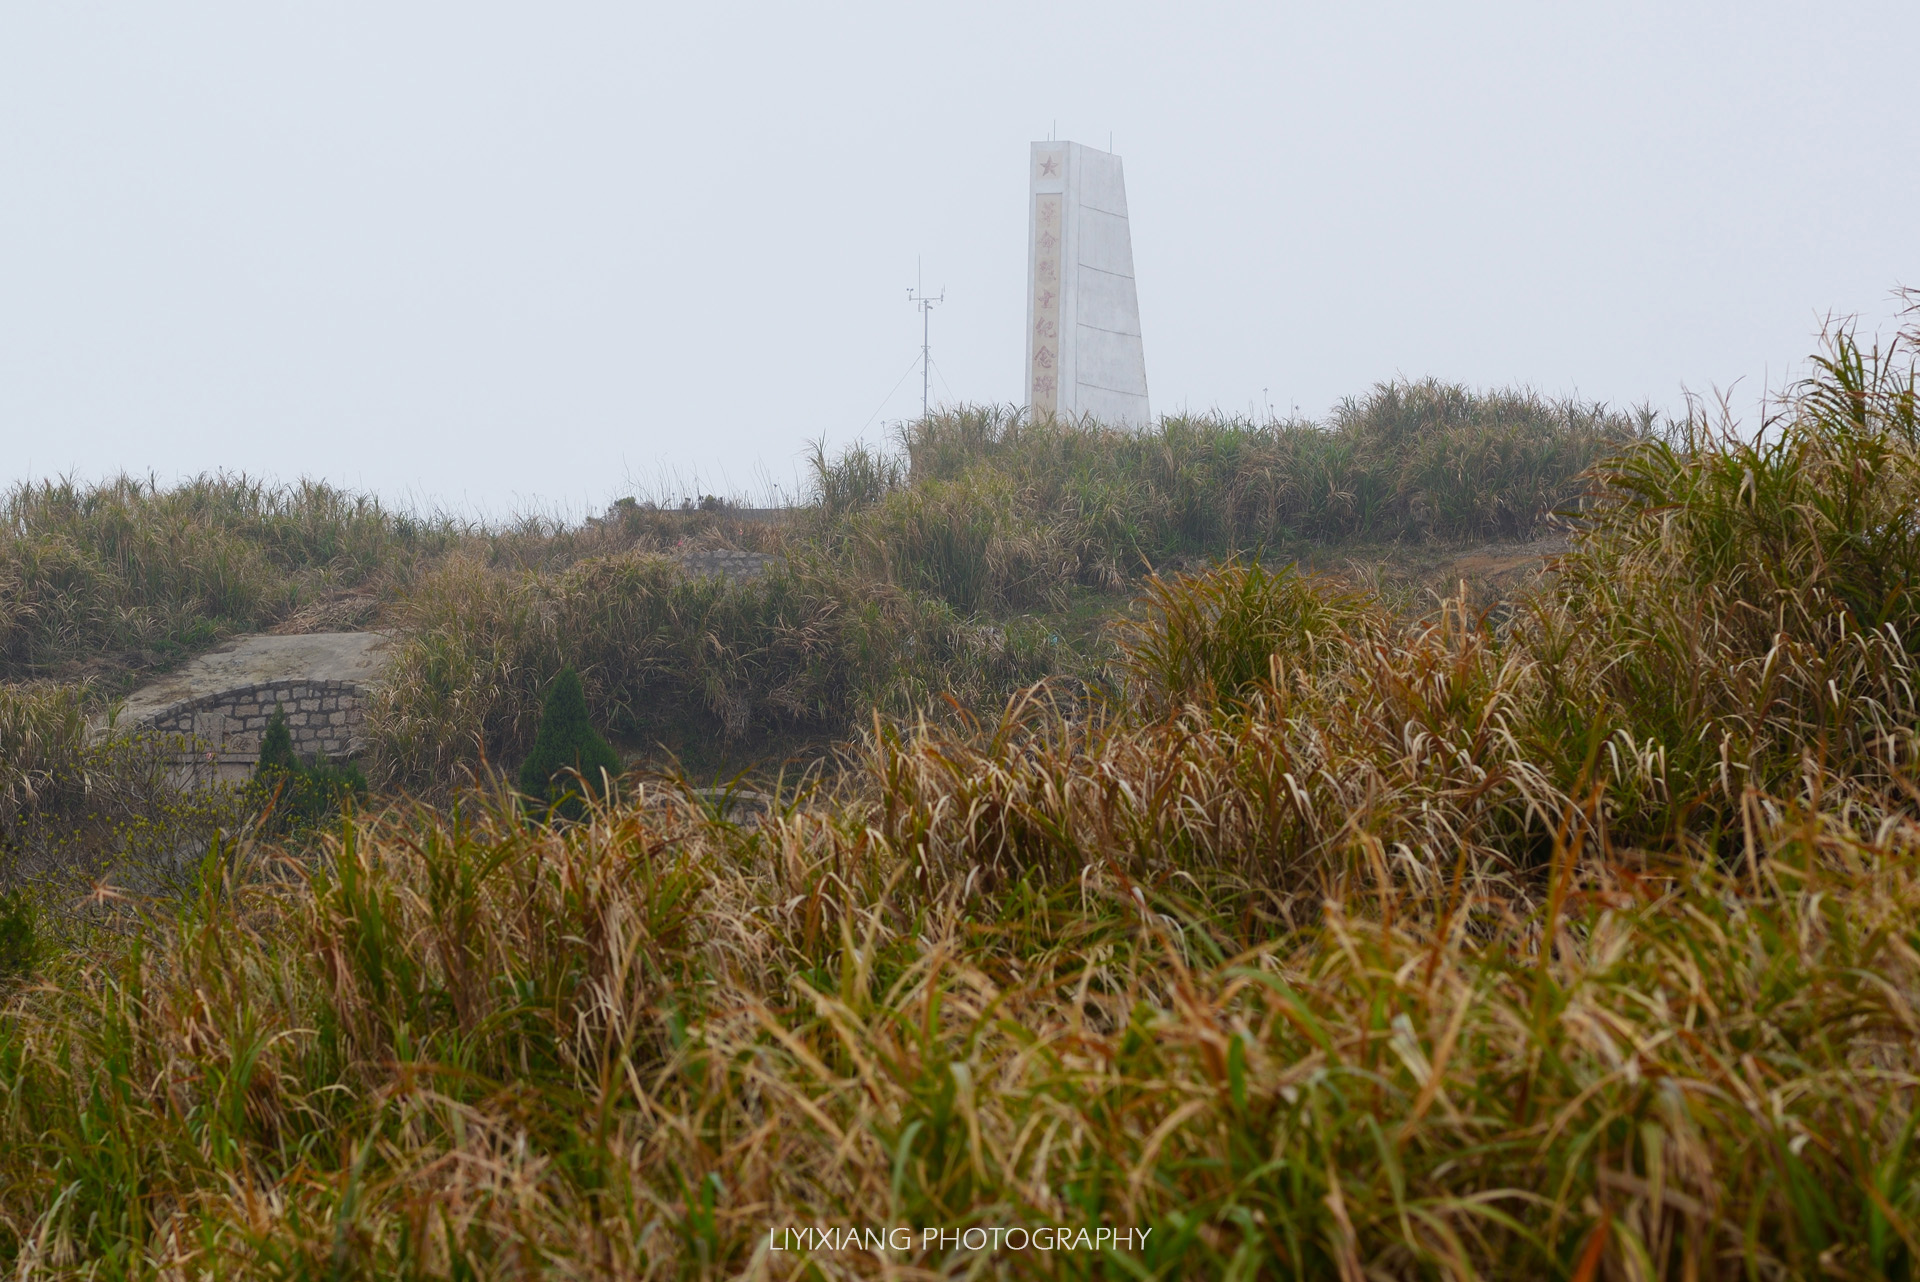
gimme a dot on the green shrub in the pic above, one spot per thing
(810, 646)
(294, 794)
(1407, 460)
(565, 745)
(19, 939)
(276, 747)
(330, 785)
(1216, 637)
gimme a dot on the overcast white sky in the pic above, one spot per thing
(497, 256)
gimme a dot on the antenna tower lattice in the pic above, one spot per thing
(926, 303)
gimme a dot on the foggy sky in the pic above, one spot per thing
(500, 256)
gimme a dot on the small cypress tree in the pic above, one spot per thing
(278, 780)
(566, 741)
(299, 794)
(276, 748)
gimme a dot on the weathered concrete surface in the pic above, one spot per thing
(356, 658)
(221, 702)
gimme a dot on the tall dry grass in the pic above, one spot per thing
(1745, 609)
(909, 576)
(905, 580)
(998, 509)
(44, 732)
(80, 800)
(128, 567)
(1343, 947)
(804, 649)
(987, 509)
(464, 1048)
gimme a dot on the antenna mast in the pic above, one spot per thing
(926, 302)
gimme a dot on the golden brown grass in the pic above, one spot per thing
(1577, 943)
(464, 1048)
(79, 799)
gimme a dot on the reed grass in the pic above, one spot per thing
(914, 575)
(634, 1046)
(126, 566)
(80, 800)
(909, 578)
(803, 648)
(1571, 943)
(989, 510)
(44, 729)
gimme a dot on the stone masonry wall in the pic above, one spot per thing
(322, 716)
(728, 562)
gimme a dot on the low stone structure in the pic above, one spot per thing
(223, 701)
(322, 716)
(730, 562)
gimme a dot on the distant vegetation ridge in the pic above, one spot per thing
(938, 567)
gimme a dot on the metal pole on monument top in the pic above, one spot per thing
(926, 302)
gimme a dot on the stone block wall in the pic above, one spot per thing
(322, 716)
(728, 562)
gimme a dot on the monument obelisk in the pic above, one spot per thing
(1084, 357)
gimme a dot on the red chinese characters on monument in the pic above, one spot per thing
(1043, 354)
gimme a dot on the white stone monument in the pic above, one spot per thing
(1084, 358)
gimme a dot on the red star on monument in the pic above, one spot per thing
(1046, 166)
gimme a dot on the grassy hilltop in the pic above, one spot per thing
(1325, 930)
(980, 557)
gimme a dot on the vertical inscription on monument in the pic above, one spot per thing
(1045, 339)
(1084, 356)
